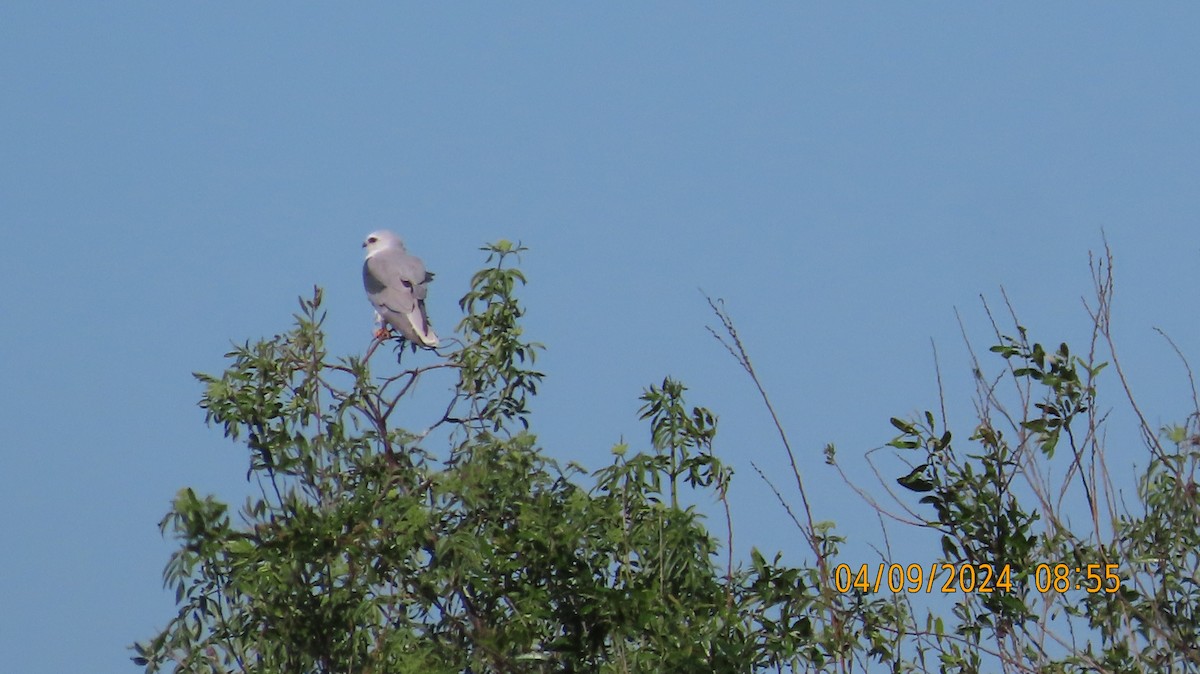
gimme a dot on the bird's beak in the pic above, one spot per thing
(364, 244)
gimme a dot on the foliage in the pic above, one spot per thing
(1118, 594)
(367, 550)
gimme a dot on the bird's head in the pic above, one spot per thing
(377, 241)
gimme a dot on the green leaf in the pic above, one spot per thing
(949, 549)
(916, 480)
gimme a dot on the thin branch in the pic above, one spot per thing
(735, 348)
(1186, 366)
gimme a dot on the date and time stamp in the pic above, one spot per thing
(947, 578)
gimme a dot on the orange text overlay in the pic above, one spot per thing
(948, 578)
(929, 578)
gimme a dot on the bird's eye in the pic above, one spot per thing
(371, 239)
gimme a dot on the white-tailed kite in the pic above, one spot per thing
(396, 284)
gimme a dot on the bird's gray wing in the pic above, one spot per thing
(395, 280)
(396, 284)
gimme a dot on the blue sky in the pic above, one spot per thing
(844, 175)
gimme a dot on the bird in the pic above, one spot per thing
(396, 283)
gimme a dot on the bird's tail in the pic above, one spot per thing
(424, 331)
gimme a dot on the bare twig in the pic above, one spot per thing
(736, 349)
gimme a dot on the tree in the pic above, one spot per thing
(367, 551)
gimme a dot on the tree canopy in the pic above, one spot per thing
(367, 549)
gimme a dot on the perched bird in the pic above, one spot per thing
(396, 284)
